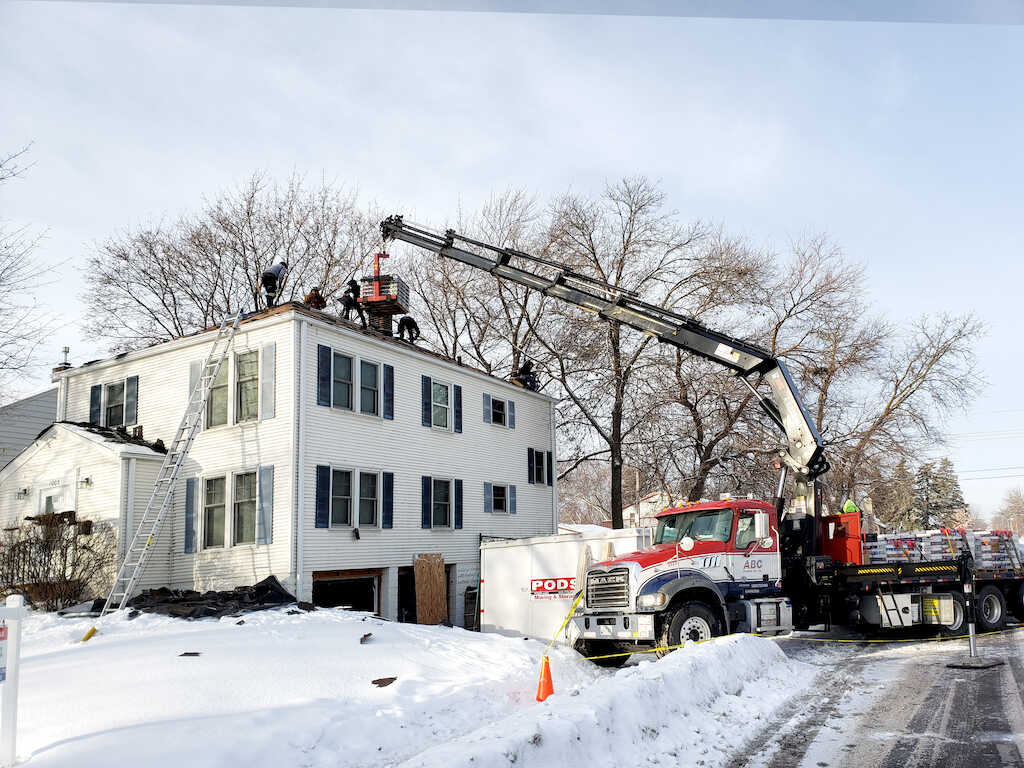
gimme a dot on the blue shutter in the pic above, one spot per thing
(387, 517)
(488, 498)
(323, 496)
(457, 393)
(389, 393)
(425, 390)
(529, 465)
(190, 515)
(425, 502)
(323, 375)
(551, 474)
(268, 364)
(265, 505)
(511, 414)
(131, 400)
(487, 408)
(96, 404)
(458, 503)
(511, 499)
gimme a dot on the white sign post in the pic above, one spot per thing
(10, 651)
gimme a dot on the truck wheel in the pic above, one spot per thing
(1019, 605)
(691, 622)
(600, 649)
(991, 609)
(959, 625)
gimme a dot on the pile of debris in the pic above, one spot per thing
(189, 604)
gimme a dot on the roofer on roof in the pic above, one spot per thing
(273, 282)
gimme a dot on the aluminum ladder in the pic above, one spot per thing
(138, 552)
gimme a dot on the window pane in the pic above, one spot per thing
(440, 416)
(442, 497)
(115, 404)
(246, 375)
(498, 498)
(367, 387)
(213, 513)
(498, 412)
(217, 407)
(245, 508)
(341, 497)
(342, 381)
(441, 394)
(367, 498)
(538, 466)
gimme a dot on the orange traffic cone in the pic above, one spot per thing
(545, 687)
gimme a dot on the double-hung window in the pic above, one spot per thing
(247, 391)
(114, 397)
(341, 497)
(213, 512)
(244, 502)
(368, 498)
(441, 516)
(499, 498)
(341, 381)
(440, 405)
(217, 407)
(538, 467)
(369, 388)
(498, 411)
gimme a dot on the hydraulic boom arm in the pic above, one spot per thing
(805, 450)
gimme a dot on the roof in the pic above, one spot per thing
(118, 439)
(328, 318)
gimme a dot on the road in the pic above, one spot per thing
(899, 706)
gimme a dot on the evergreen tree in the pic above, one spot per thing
(938, 498)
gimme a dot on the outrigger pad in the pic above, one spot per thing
(978, 662)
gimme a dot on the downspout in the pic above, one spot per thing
(300, 458)
(554, 472)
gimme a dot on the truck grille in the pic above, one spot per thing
(608, 590)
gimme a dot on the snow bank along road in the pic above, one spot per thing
(898, 706)
(280, 690)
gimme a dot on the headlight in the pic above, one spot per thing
(652, 601)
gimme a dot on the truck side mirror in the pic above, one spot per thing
(761, 525)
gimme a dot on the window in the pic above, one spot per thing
(745, 530)
(497, 411)
(368, 388)
(247, 390)
(341, 497)
(213, 512)
(115, 404)
(245, 508)
(442, 495)
(439, 405)
(701, 525)
(499, 498)
(367, 498)
(341, 382)
(538, 467)
(217, 407)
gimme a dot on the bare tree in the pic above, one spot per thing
(167, 280)
(1010, 515)
(24, 324)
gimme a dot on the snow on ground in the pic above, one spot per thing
(294, 690)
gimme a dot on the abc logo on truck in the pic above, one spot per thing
(546, 589)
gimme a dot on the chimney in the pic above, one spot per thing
(63, 365)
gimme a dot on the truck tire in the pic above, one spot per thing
(991, 609)
(600, 649)
(959, 625)
(692, 621)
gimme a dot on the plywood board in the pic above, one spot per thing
(431, 589)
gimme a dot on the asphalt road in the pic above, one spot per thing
(899, 706)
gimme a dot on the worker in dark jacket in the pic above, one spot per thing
(408, 326)
(314, 299)
(273, 282)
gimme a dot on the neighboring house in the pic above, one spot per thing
(330, 457)
(23, 420)
(640, 514)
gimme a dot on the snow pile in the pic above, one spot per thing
(694, 707)
(295, 690)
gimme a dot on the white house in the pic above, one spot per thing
(330, 457)
(640, 514)
(23, 420)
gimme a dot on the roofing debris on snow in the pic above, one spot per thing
(188, 604)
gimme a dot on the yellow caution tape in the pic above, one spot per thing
(572, 609)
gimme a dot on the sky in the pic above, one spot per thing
(901, 141)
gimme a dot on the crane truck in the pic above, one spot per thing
(733, 565)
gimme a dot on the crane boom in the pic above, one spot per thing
(805, 453)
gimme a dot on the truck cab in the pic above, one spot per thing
(715, 567)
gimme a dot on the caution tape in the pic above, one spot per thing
(803, 639)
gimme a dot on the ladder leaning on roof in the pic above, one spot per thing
(140, 548)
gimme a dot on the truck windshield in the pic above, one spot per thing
(699, 525)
